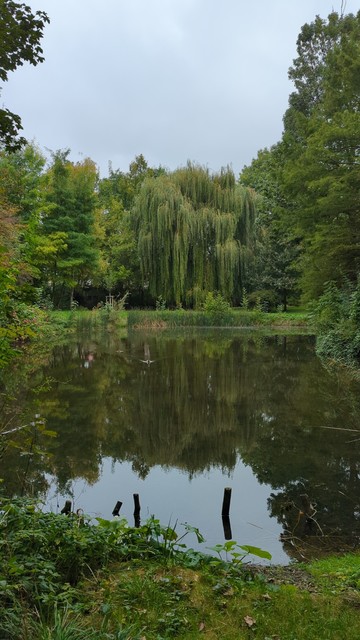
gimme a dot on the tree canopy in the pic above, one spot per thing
(313, 172)
(195, 234)
(321, 174)
(21, 31)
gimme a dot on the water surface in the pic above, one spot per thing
(177, 418)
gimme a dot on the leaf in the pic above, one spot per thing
(229, 545)
(190, 529)
(170, 534)
(249, 621)
(218, 548)
(256, 551)
(201, 626)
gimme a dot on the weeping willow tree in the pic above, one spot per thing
(195, 234)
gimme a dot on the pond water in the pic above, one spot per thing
(176, 418)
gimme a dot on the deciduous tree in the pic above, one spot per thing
(321, 171)
(275, 272)
(195, 234)
(68, 223)
(21, 31)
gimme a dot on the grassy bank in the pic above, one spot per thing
(63, 578)
(233, 318)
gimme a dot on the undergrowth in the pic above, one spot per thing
(62, 578)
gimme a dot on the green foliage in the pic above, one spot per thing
(43, 558)
(217, 307)
(263, 300)
(322, 131)
(327, 311)
(119, 265)
(308, 220)
(119, 268)
(21, 31)
(160, 304)
(230, 547)
(308, 224)
(336, 317)
(233, 318)
(70, 257)
(337, 574)
(195, 234)
(277, 247)
(63, 624)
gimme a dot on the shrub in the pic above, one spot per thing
(263, 300)
(217, 307)
(336, 316)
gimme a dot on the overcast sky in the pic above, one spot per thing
(175, 80)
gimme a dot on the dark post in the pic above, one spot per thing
(117, 508)
(227, 528)
(136, 509)
(226, 502)
(66, 508)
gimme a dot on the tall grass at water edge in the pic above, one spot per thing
(232, 318)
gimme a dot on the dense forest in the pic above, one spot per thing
(285, 231)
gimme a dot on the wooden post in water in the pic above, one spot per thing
(227, 528)
(136, 509)
(116, 509)
(66, 508)
(226, 502)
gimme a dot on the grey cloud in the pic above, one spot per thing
(173, 79)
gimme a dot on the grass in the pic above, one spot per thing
(83, 319)
(214, 602)
(337, 575)
(233, 318)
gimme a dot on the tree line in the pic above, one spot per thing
(287, 228)
(69, 236)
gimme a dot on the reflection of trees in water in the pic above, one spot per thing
(191, 408)
(204, 399)
(329, 521)
(298, 456)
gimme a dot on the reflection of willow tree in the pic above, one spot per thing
(183, 408)
(314, 466)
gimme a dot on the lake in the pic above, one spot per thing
(177, 418)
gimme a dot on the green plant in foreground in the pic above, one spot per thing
(62, 578)
(229, 548)
(63, 625)
(151, 539)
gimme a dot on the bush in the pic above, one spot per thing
(336, 316)
(217, 307)
(264, 300)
